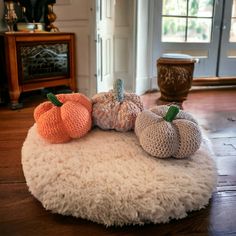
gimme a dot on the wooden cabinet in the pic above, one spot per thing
(38, 60)
(3, 77)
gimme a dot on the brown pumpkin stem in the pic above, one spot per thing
(53, 99)
(171, 113)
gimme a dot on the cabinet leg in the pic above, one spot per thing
(73, 87)
(15, 106)
(14, 96)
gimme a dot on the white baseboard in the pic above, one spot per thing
(142, 85)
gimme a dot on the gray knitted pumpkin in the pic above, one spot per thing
(116, 109)
(165, 131)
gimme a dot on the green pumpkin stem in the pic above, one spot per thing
(118, 88)
(171, 113)
(53, 99)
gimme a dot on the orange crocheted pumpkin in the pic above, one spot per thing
(64, 117)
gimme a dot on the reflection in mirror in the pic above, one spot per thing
(28, 15)
(35, 10)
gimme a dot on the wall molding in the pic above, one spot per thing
(73, 23)
(143, 84)
(64, 2)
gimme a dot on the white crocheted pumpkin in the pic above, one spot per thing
(165, 131)
(116, 109)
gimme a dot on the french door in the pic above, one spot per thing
(105, 35)
(115, 45)
(227, 58)
(204, 29)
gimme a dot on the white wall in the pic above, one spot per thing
(124, 42)
(77, 16)
(142, 62)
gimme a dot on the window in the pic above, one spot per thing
(187, 20)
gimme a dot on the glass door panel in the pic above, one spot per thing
(187, 20)
(227, 59)
(191, 27)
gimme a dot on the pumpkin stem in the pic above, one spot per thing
(118, 88)
(171, 113)
(53, 99)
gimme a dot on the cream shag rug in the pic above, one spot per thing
(106, 177)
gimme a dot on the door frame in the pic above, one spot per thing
(226, 63)
(118, 38)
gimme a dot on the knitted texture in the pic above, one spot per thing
(119, 90)
(109, 113)
(60, 124)
(180, 138)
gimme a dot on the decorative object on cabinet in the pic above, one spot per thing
(10, 16)
(30, 27)
(51, 18)
(38, 60)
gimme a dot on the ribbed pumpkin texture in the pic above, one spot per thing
(167, 132)
(116, 109)
(70, 117)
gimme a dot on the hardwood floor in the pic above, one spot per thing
(21, 214)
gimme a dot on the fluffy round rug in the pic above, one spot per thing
(108, 178)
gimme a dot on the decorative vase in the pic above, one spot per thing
(175, 75)
(10, 16)
(51, 18)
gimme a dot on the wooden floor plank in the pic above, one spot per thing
(10, 162)
(226, 165)
(226, 183)
(223, 214)
(224, 146)
(22, 214)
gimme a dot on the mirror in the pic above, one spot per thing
(30, 15)
(35, 10)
